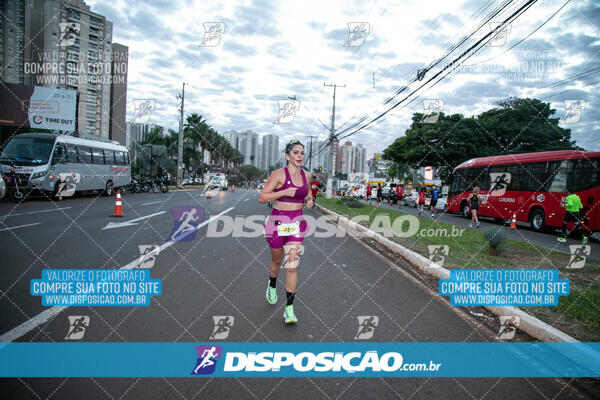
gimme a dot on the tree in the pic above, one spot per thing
(250, 172)
(516, 126)
(195, 130)
(171, 142)
(400, 171)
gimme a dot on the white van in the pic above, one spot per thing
(218, 182)
(49, 161)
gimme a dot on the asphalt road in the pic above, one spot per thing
(340, 278)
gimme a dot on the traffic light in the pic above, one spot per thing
(320, 169)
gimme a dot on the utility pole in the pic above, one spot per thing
(180, 139)
(332, 141)
(310, 153)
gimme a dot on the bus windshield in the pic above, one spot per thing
(27, 151)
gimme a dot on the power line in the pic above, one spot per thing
(420, 73)
(525, 38)
(454, 64)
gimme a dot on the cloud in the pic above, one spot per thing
(274, 50)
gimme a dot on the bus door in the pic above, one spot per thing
(583, 176)
(504, 199)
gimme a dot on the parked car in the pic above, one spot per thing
(411, 200)
(440, 205)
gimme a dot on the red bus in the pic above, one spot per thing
(533, 186)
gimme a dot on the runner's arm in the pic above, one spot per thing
(309, 196)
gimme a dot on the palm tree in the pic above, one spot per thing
(171, 142)
(195, 131)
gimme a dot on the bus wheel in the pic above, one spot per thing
(464, 207)
(537, 220)
(109, 189)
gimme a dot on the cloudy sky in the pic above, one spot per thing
(272, 50)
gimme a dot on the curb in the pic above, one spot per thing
(528, 324)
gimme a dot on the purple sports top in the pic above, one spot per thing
(301, 191)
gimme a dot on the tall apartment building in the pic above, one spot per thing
(231, 137)
(63, 44)
(352, 158)
(270, 151)
(12, 40)
(247, 144)
(346, 158)
(320, 156)
(118, 94)
(360, 159)
(138, 132)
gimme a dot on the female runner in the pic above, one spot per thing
(284, 228)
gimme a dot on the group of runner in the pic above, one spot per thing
(288, 189)
(400, 195)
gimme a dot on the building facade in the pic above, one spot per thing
(270, 151)
(138, 132)
(63, 44)
(246, 143)
(352, 159)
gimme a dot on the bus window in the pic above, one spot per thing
(98, 155)
(127, 158)
(474, 177)
(28, 150)
(485, 182)
(119, 159)
(583, 174)
(85, 156)
(559, 180)
(72, 153)
(536, 177)
(109, 157)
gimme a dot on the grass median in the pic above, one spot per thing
(577, 314)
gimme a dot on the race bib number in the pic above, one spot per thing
(290, 229)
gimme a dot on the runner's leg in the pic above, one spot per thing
(276, 259)
(293, 251)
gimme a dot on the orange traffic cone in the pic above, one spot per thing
(513, 222)
(118, 206)
(208, 195)
(233, 188)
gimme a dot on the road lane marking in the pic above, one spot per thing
(153, 202)
(34, 212)
(135, 262)
(131, 222)
(47, 315)
(20, 226)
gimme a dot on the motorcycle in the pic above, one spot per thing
(154, 185)
(146, 186)
(13, 192)
(162, 184)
